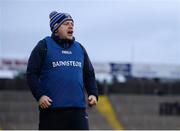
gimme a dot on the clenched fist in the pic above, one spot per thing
(92, 100)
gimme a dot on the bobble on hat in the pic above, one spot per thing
(52, 14)
(56, 19)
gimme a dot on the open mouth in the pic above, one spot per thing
(70, 32)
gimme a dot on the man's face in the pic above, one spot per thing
(65, 31)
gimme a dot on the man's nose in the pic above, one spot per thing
(70, 26)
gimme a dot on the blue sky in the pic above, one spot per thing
(139, 31)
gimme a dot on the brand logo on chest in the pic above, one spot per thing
(66, 52)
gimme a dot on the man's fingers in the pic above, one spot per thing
(92, 101)
(45, 102)
(90, 98)
(49, 99)
(42, 106)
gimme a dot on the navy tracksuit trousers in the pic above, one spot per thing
(63, 119)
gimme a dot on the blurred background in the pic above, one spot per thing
(134, 46)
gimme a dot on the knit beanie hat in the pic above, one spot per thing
(56, 19)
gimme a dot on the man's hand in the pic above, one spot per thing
(92, 100)
(44, 102)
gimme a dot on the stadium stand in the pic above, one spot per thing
(18, 110)
(141, 112)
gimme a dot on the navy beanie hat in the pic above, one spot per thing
(56, 19)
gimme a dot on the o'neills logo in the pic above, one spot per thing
(66, 63)
(66, 52)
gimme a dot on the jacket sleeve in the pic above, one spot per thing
(89, 76)
(34, 66)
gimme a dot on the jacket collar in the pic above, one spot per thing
(64, 43)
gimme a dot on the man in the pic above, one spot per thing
(58, 73)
